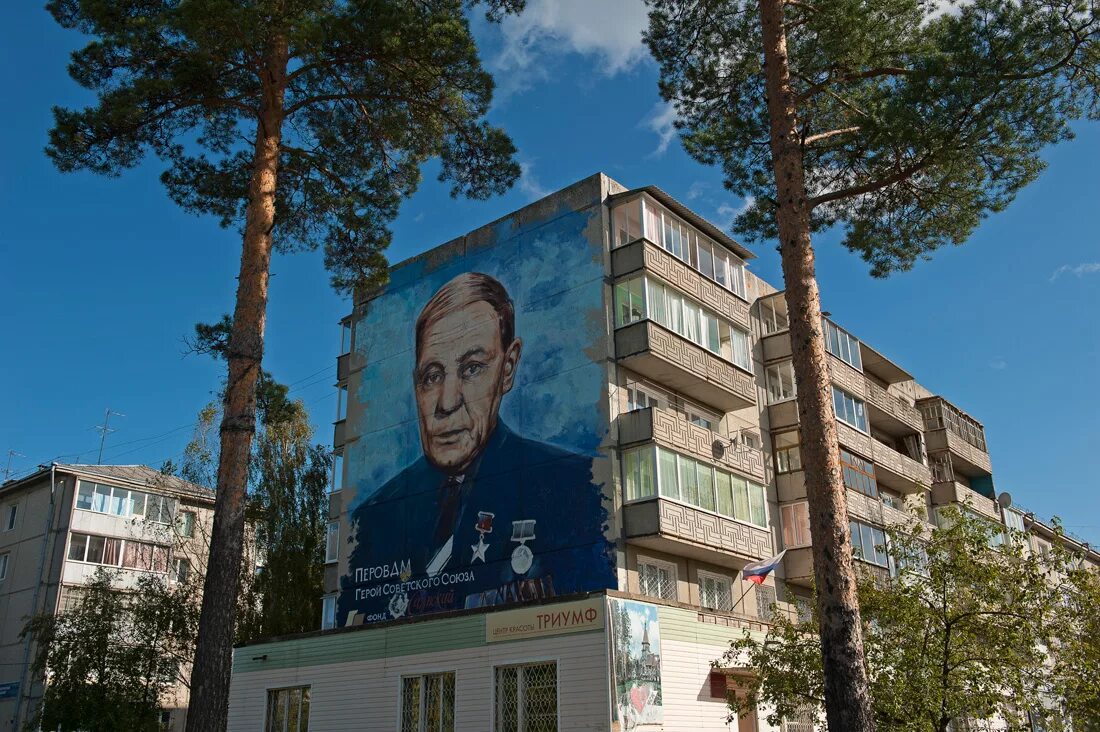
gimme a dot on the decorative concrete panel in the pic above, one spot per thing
(964, 449)
(684, 522)
(892, 405)
(671, 429)
(864, 507)
(846, 377)
(855, 440)
(953, 492)
(681, 276)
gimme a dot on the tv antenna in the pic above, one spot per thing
(7, 470)
(105, 430)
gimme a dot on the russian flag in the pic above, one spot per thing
(758, 571)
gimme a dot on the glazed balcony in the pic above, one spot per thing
(667, 358)
(670, 429)
(643, 255)
(948, 428)
(670, 526)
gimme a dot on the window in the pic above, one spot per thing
(526, 698)
(160, 509)
(345, 337)
(801, 721)
(788, 454)
(341, 403)
(627, 223)
(428, 703)
(639, 397)
(113, 500)
(638, 474)
(328, 612)
(287, 710)
(841, 344)
(869, 543)
(715, 592)
(149, 557)
(657, 579)
(113, 552)
(780, 378)
(849, 410)
(1014, 520)
(187, 523)
(796, 524)
(685, 479)
(332, 542)
(644, 297)
(337, 471)
(165, 720)
(181, 570)
(859, 474)
(773, 314)
(4, 565)
(13, 513)
(765, 601)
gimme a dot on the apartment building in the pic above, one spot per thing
(62, 523)
(560, 438)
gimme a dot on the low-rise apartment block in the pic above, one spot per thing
(59, 526)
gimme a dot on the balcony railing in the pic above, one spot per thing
(672, 430)
(892, 405)
(955, 492)
(662, 524)
(894, 469)
(659, 354)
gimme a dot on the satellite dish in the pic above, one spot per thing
(717, 449)
(1005, 499)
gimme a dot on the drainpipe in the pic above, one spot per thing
(23, 677)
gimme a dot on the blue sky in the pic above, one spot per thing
(101, 279)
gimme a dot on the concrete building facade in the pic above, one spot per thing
(62, 523)
(668, 375)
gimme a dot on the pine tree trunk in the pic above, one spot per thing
(847, 696)
(210, 675)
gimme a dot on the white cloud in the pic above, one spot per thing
(1076, 269)
(727, 213)
(612, 32)
(998, 363)
(697, 189)
(660, 120)
(529, 184)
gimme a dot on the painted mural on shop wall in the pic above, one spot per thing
(636, 654)
(477, 475)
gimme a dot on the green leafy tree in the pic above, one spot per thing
(111, 662)
(900, 124)
(962, 633)
(1076, 655)
(305, 123)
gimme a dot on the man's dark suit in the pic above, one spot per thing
(514, 479)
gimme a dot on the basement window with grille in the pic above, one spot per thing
(428, 703)
(526, 697)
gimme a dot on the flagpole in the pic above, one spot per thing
(749, 587)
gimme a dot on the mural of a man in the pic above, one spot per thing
(484, 516)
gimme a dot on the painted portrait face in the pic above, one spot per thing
(462, 372)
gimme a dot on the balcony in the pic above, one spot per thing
(642, 254)
(948, 428)
(949, 492)
(890, 412)
(339, 433)
(965, 457)
(671, 430)
(668, 526)
(892, 469)
(342, 367)
(798, 566)
(659, 354)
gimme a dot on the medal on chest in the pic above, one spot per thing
(522, 531)
(483, 526)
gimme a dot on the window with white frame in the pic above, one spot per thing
(796, 524)
(12, 516)
(644, 297)
(4, 565)
(788, 452)
(341, 403)
(287, 710)
(715, 591)
(328, 612)
(112, 552)
(640, 396)
(841, 344)
(765, 601)
(526, 697)
(849, 409)
(337, 471)
(187, 523)
(1014, 520)
(694, 482)
(780, 380)
(657, 578)
(160, 509)
(119, 501)
(181, 569)
(428, 703)
(869, 543)
(332, 542)
(345, 337)
(627, 222)
(803, 720)
(773, 314)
